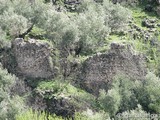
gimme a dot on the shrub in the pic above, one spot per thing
(136, 114)
(120, 97)
(36, 115)
(148, 94)
(92, 28)
(4, 4)
(117, 16)
(126, 88)
(37, 33)
(4, 42)
(55, 24)
(133, 92)
(6, 79)
(110, 101)
(14, 24)
(9, 105)
(90, 115)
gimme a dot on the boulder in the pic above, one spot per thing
(33, 58)
(98, 71)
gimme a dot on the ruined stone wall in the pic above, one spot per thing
(33, 58)
(99, 70)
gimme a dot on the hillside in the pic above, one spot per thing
(79, 59)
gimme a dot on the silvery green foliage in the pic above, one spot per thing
(96, 21)
(6, 79)
(110, 101)
(90, 27)
(148, 93)
(54, 23)
(90, 115)
(12, 23)
(136, 114)
(121, 96)
(4, 42)
(117, 16)
(4, 4)
(9, 105)
(17, 16)
(126, 86)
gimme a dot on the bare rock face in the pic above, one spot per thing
(98, 71)
(33, 58)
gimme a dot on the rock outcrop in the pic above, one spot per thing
(33, 58)
(98, 71)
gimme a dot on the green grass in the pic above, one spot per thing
(85, 115)
(139, 14)
(114, 37)
(37, 33)
(61, 89)
(35, 115)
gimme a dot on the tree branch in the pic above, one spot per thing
(25, 33)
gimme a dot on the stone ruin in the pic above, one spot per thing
(99, 70)
(33, 58)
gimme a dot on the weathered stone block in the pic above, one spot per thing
(33, 58)
(98, 71)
